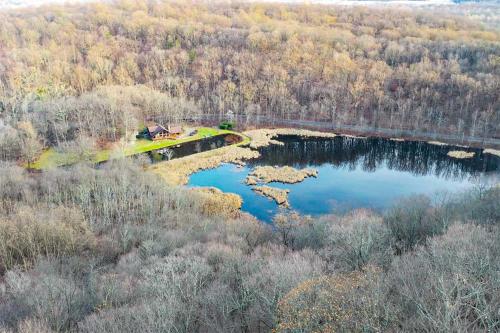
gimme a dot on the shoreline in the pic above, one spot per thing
(273, 132)
(255, 138)
(177, 171)
(358, 130)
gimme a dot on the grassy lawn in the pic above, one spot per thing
(51, 158)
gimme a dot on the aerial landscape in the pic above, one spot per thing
(249, 166)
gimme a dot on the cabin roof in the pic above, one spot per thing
(155, 129)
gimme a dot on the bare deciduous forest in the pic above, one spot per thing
(115, 249)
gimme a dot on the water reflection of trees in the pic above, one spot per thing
(198, 146)
(419, 158)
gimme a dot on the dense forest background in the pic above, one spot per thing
(97, 70)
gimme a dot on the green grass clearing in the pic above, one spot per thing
(52, 158)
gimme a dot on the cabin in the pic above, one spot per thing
(158, 132)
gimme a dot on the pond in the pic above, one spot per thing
(192, 147)
(353, 173)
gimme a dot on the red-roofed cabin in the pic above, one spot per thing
(158, 132)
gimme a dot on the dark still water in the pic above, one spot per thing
(189, 148)
(354, 173)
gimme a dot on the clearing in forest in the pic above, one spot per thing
(52, 158)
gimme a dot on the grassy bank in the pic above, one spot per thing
(52, 158)
(177, 171)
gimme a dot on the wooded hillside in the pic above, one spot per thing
(365, 66)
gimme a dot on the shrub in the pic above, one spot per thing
(288, 225)
(34, 232)
(117, 194)
(281, 270)
(343, 303)
(313, 233)
(177, 284)
(411, 222)
(10, 145)
(253, 233)
(480, 205)
(15, 187)
(356, 240)
(29, 326)
(148, 316)
(460, 272)
(53, 294)
(226, 125)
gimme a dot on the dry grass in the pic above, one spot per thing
(492, 152)
(277, 194)
(177, 171)
(353, 136)
(460, 154)
(437, 143)
(286, 174)
(218, 203)
(265, 137)
(251, 180)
